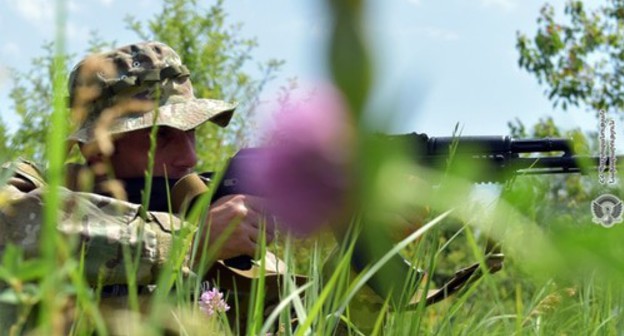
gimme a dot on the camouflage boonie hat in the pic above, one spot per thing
(121, 88)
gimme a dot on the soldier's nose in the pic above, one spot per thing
(184, 150)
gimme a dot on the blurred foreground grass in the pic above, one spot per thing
(564, 278)
(562, 275)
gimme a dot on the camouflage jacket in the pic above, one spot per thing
(102, 224)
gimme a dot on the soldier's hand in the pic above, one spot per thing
(240, 217)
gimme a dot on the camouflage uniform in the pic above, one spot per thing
(103, 224)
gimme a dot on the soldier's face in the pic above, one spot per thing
(174, 156)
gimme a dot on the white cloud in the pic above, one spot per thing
(147, 3)
(73, 6)
(429, 32)
(11, 49)
(4, 75)
(438, 33)
(76, 33)
(506, 5)
(40, 13)
(106, 3)
(36, 12)
(415, 2)
(400, 34)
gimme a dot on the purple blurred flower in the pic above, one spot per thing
(212, 302)
(306, 172)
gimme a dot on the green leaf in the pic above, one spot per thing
(31, 270)
(9, 296)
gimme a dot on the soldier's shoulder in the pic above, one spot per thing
(25, 170)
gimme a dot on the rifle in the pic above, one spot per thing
(498, 158)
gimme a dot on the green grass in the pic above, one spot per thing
(562, 275)
(531, 295)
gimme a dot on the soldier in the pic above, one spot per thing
(118, 96)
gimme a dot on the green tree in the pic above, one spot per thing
(218, 58)
(213, 50)
(5, 148)
(554, 194)
(32, 103)
(579, 58)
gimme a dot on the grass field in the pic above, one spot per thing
(563, 274)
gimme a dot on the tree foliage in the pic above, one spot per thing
(5, 145)
(579, 58)
(32, 103)
(213, 50)
(562, 198)
(218, 58)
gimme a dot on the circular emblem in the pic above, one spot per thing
(607, 210)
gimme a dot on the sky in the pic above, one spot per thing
(436, 63)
